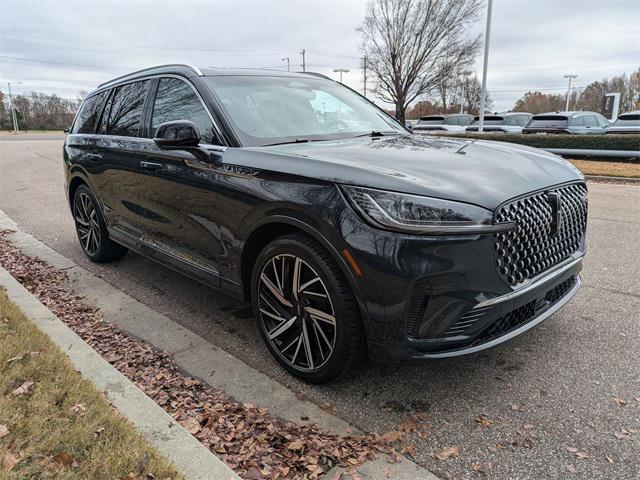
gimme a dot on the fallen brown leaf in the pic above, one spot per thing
(10, 460)
(80, 409)
(24, 389)
(191, 425)
(4, 430)
(483, 420)
(448, 452)
(63, 458)
(620, 401)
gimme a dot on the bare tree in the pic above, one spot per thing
(412, 45)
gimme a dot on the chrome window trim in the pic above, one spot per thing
(160, 76)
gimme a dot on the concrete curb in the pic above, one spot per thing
(188, 455)
(199, 358)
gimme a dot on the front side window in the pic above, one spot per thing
(176, 100)
(603, 122)
(577, 122)
(271, 109)
(590, 121)
(89, 113)
(125, 113)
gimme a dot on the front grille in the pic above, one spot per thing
(539, 242)
(525, 313)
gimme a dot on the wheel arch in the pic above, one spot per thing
(268, 229)
(74, 183)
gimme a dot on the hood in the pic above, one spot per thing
(481, 172)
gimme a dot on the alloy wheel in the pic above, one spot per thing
(296, 312)
(87, 224)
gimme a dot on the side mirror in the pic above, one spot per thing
(177, 134)
(66, 130)
(409, 127)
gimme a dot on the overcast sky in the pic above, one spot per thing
(66, 46)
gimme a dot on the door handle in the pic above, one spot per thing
(153, 166)
(93, 157)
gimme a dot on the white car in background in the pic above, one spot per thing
(628, 122)
(511, 122)
(454, 123)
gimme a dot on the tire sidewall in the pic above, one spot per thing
(104, 237)
(292, 247)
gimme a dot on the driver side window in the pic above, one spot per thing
(176, 100)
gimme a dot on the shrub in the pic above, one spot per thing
(590, 142)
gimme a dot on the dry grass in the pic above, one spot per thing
(611, 169)
(63, 428)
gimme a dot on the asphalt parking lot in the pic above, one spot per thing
(553, 403)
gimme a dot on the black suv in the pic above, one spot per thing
(347, 233)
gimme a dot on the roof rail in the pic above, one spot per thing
(195, 69)
(316, 74)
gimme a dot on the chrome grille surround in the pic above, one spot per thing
(532, 247)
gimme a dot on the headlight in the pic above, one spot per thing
(421, 215)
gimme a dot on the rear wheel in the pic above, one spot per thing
(92, 229)
(306, 311)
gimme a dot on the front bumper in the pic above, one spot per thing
(426, 297)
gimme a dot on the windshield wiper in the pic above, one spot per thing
(376, 133)
(297, 140)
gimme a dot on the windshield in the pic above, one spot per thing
(265, 110)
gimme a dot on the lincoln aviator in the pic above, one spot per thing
(349, 235)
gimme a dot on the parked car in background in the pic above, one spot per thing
(512, 122)
(628, 122)
(568, 122)
(455, 123)
(347, 234)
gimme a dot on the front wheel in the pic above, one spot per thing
(305, 309)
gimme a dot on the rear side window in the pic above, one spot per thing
(176, 100)
(630, 119)
(577, 122)
(89, 114)
(125, 114)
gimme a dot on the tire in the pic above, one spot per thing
(92, 229)
(323, 322)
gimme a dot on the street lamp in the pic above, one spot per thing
(288, 63)
(341, 71)
(14, 117)
(570, 76)
(464, 74)
(487, 34)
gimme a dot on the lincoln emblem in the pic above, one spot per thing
(555, 200)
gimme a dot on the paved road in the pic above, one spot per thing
(573, 382)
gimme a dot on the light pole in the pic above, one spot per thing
(570, 76)
(288, 63)
(14, 117)
(466, 73)
(487, 37)
(341, 71)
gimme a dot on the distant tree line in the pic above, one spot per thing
(590, 98)
(38, 111)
